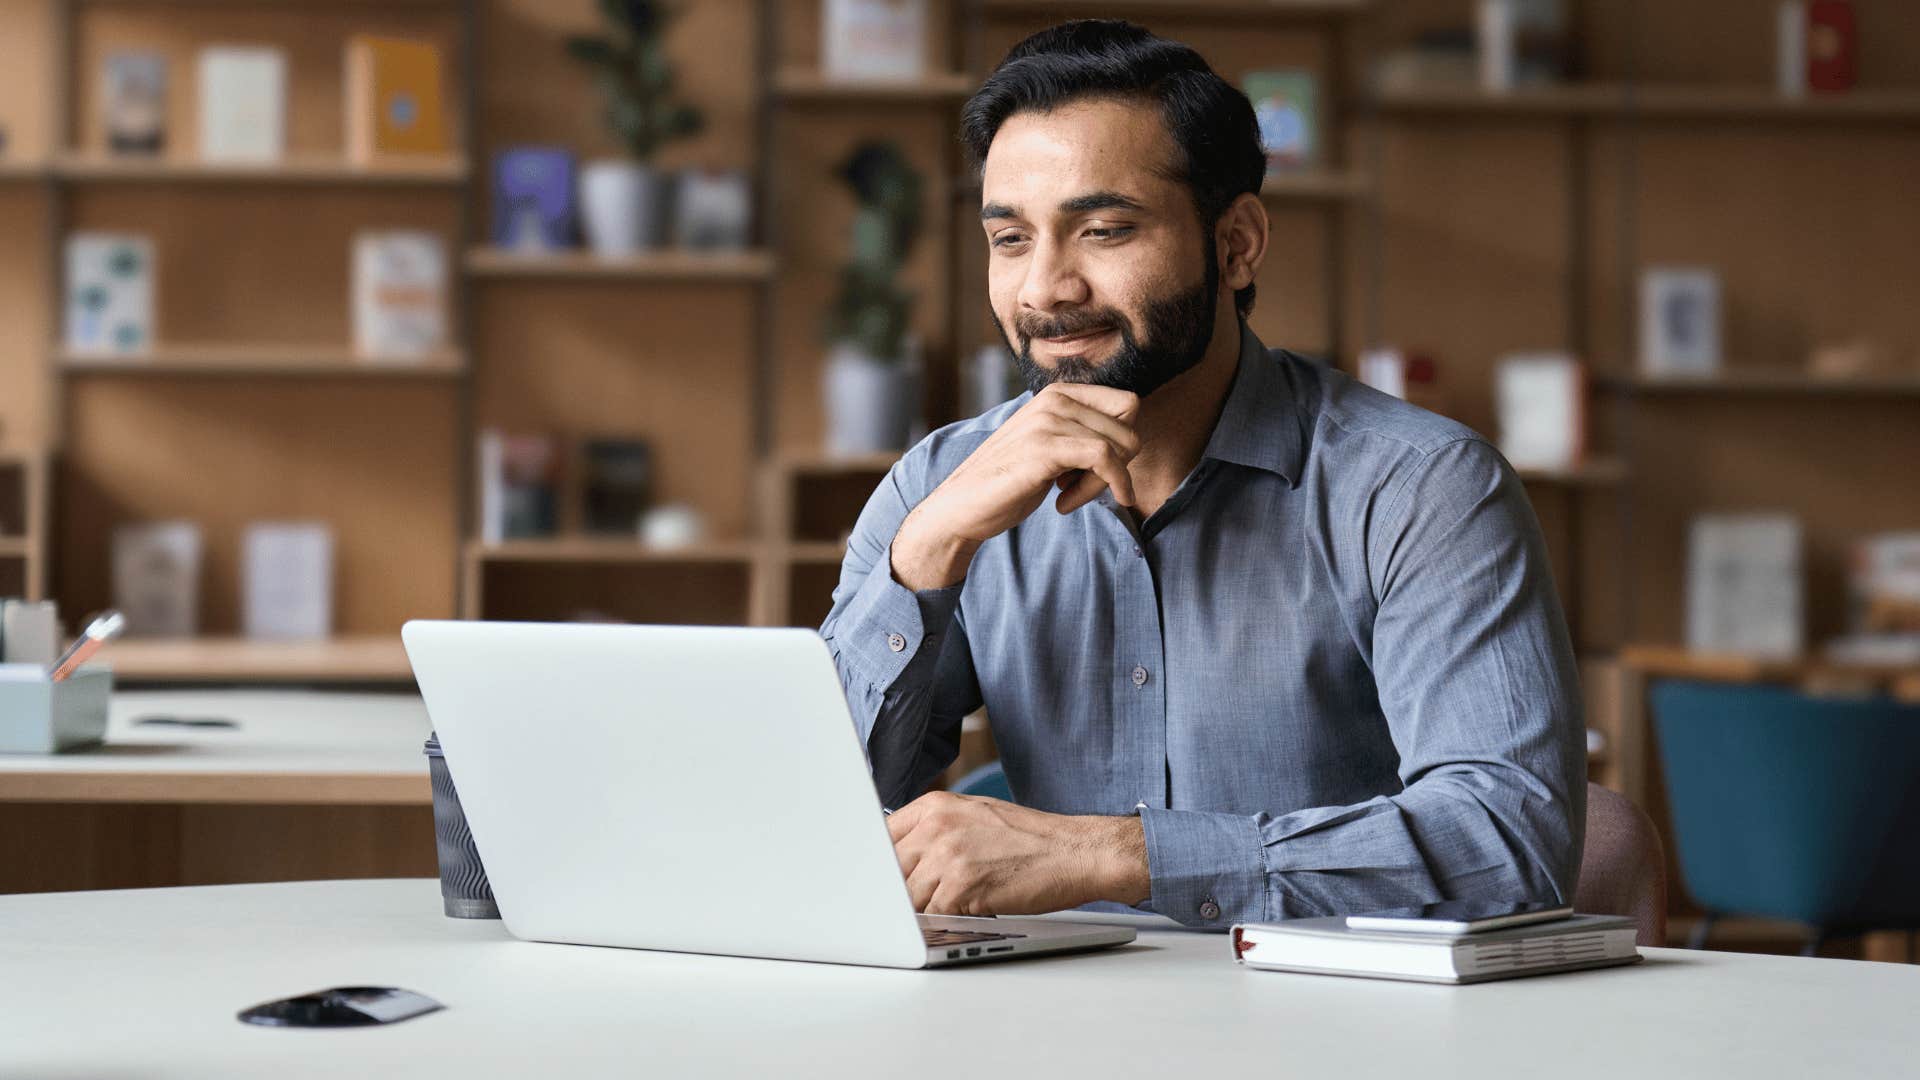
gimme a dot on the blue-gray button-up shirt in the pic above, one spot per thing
(1330, 673)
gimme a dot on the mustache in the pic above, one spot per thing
(1069, 324)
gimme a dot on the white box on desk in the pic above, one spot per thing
(40, 716)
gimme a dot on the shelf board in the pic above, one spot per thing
(15, 547)
(1316, 185)
(267, 360)
(1238, 10)
(1781, 381)
(1595, 472)
(299, 169)
(823, 464)
(16, 171)
(812, 86)
(744, 266)
(345, 659)
(813, 552)
(610, 550)
(1652, 102)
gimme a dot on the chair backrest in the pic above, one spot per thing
(1623, 869)
(1793, 806)
(989, 780)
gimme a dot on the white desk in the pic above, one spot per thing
(311, 784)
(146, 983)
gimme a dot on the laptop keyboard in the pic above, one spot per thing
(940, 939)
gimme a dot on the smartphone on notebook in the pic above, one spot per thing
(1455, 917)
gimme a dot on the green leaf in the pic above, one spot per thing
(591, 50)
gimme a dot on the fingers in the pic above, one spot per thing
(1122, 405)
(1101, 467)
(1117, 432)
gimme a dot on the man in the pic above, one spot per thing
(1280, 646)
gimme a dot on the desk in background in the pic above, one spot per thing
(311, 785)
(147, 984)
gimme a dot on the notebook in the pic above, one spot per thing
(1329, 947)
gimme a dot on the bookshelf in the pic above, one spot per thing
(23, 525)
(305, 169)
(743, 267)
(1656, 102)
(266, 360)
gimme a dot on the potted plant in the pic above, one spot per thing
(621, 200)
(870, 381)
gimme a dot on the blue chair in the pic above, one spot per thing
(1793, 807)
(989, 780)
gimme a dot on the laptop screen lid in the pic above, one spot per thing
(696, 789)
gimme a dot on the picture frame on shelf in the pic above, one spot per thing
(1680, 322)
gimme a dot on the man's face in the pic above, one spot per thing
(1098, 269)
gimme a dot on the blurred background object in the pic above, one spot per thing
(516, 306)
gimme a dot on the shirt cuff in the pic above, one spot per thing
(887, 624)
(1207, 869)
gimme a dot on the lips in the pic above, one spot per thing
(1074, 338)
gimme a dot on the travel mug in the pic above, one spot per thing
(463, 880)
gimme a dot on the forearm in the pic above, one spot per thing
(1453, 835)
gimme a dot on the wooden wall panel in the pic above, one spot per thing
(257, 263)
(372, 458)
(1843, 465)
(1811, 230)
(26, 79)
(683, 594)
(1475, 253)
(668, 363)
(24, 308)
(313, 38)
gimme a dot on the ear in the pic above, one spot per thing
(1241, 239)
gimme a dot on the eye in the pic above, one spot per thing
(1005, 240)
(1109, 232)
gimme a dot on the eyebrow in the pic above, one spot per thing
(1079, 204)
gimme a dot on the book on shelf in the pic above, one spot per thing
(616, 485)
(533, 199)
(1522, 43)
(109, 292)
(1818, 43)
(395, 99)
(287, 581)
(156, 578)
(1883, 581)
(133, 101)
(519, 480)
(1680, 319)
(712, 209)
(1745, 585)
(243, 104)
(1329, 946)
(1286, 106)
(1542, 406)
(399, 293)
(873, 39)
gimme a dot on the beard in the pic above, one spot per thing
(1177, 331)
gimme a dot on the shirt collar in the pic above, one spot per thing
(1260, 423)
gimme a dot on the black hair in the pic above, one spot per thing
(1211, 123)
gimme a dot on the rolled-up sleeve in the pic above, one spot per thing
(1476, 679)
(902, 655)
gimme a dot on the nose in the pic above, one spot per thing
(1053, 279)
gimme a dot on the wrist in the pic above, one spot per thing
(927, 556)
(1120, 868)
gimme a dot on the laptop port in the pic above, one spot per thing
(1000, 948)
(975, 951)
(953, 954)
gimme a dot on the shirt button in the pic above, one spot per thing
(1137, 552)
(1139, 676)
(1209, 909)
(896, 643)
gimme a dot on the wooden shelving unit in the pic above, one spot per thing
(801, 86)
(1240, 12)
(690, 266)
(316, 170)
(1594, 473)
(1316, 185)
(262, 361)
(23, 525)
(1656, 102)
(1768, 383)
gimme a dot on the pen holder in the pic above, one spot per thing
(40, 716)
(464, 891)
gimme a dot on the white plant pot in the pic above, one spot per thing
(870, 403)
(621, 206)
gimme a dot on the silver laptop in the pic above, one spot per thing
(692, 789)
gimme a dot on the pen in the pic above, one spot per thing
(104, 626)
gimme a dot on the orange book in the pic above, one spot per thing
(395, 106)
